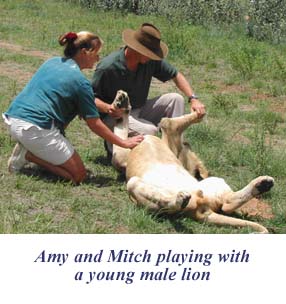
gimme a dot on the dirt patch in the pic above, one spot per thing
(242, 139)
(165, 87)
(259, 97)
(247, 108)
(277, 142)
(256, 207)
(15, 72)
(278, 107)
(232, 89)
(23, 51)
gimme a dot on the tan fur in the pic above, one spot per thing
(161, 176)
(119, 155)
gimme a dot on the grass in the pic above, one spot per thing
(241, 81)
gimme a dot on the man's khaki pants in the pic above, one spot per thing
(145, 120)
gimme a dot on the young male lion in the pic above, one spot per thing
(165, 175)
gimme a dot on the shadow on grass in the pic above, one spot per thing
(103, 160)
(176, 220)
(106, 161)
(93, 179)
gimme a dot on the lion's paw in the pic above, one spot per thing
(262, 184)
(121, 100)
(183, 199)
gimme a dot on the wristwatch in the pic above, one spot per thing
(193, 96)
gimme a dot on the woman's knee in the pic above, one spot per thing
(80, 176)
(76, 168)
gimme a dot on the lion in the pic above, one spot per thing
(165, 175)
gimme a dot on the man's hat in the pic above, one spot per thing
(146, 41)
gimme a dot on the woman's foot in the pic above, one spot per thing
(17, 159)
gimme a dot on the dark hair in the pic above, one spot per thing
(73, 42)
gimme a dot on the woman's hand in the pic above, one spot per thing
(99, 128)
(132, 142)
(115, 112)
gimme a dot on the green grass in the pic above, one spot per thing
(241, 81)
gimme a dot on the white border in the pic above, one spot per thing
(260, 280)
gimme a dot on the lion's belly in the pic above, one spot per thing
(171, 177)
(175, 178)
(214, 186)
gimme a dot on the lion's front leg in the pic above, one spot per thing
(156, 198)
(121, 101)
(192, 163)
(179, 124)
(120, 155)
(172, 135)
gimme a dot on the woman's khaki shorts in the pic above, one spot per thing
(47, 144)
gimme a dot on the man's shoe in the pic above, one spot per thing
(17, 160)
(108, 149)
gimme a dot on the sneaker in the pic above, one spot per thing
(17, 160)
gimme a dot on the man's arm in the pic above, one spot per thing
(183, 85)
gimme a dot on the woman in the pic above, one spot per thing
(56, 94)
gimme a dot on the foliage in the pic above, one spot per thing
(263, 19)
(191, 11)
(267, 20)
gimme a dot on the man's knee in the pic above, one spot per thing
(176, 97)
(176, 105)
(146, 129)
(151, 130)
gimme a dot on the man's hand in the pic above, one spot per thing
(198, 107)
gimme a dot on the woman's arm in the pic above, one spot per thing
(99, 128)
(109, 109)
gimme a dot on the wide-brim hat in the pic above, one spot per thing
(146, 41)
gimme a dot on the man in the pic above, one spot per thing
(131, 69)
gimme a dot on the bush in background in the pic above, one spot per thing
(190, 11)
(267, 20)
(264, 19)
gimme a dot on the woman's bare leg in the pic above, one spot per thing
(73, 169)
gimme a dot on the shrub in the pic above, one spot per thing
(268, 20)
(264, 19)
(244, 59)
(191, 11)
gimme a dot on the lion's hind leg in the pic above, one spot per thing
(204, 213)
(234, 200)
(220, 219)
(156, 198)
